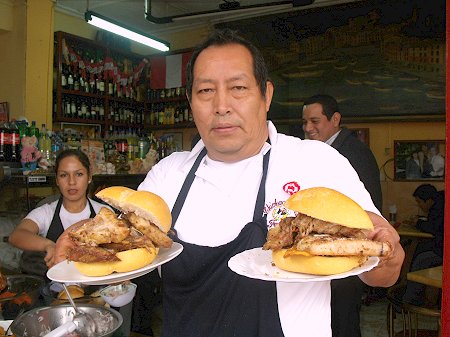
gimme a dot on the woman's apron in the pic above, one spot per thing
(32, 262)
(203, 297)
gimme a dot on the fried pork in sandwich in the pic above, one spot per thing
(107, 244)
(328, 236)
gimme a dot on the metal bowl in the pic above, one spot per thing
(40, 321)
(21, 294)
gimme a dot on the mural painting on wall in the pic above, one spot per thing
(378, 58)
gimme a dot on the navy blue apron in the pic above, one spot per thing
(203, 297)
(56, 227)
(32, 262)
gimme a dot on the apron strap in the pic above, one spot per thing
(93, 213)
(185, 188)
(56, 228)
(261, 199)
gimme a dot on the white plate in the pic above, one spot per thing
(66, 272)
(5, 325)
(257, 263)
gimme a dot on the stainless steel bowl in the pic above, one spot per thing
(26, 295)
(39, 321)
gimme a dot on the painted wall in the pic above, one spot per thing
(39, 61)
(12, 56)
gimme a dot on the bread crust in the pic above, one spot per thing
(329, 205)
(132, 259)
(145, 204)
(316, 265)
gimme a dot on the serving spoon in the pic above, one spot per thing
(85, 324)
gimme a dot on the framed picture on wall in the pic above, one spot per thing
(4, 112)
(419, 160)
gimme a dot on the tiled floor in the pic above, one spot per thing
(373, 320)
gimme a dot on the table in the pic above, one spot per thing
(430, 276)
(416, 235)
(412, 232)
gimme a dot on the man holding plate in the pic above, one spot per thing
(227, 192)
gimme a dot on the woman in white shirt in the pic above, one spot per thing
(37, 233)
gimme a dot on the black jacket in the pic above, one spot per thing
(434, 223)
(363, 161)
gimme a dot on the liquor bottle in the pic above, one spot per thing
(101, 111)
(111, 112)
(82, 81)
(100, 84)
(94, 110)
(45, 145)
(76, 81)
(84, 109)
(33, 130)
(70, 81)
(92, 84)
(64, 76)
(73, 108)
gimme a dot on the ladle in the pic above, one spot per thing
(84, 322)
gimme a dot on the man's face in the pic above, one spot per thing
(228, 108)
(316, 125)
(424, 205)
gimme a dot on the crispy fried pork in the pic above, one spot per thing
(159, 238)
(291, 230)
(105, 227)
(99, 239)
(342, 246)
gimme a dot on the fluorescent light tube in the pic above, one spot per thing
(116, 28)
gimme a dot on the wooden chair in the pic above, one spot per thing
(413, 312)
(410, 315)
(395, 306)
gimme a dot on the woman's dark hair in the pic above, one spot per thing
(329, 104)
(81, 156)
(225, 37)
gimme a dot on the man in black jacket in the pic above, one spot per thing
(322, 121)
(428, 253)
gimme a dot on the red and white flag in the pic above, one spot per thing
(169, 71)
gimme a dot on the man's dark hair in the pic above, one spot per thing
(425, 192)
(225, 37)
(329, 104)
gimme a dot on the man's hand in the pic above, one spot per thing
(388, 269)
(64, 243)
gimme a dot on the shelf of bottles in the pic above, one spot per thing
(168, 108)
(95, 84)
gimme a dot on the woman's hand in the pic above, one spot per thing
(64, 243)
(50, 253)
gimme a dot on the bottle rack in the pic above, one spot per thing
(87, 89)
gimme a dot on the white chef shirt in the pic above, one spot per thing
(222, 199)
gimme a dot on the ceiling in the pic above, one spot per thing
(132, 12)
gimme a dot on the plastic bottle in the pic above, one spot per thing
(14, 134)
(4, 140)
